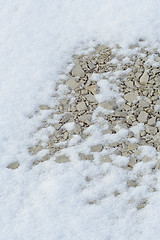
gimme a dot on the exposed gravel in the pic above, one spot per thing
(139, 108)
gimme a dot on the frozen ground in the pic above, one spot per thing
(49, 201)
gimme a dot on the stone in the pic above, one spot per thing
(146, 159)
(150, 129)
(90, 98)
(152, 121)
(142, 118)
(131, 96)
(81, 106)
(77, 128)
(129, 84)
(91, 65)
(144, 78)
(72, 83)
(66, 118)
(13, 165)
(142, 204)
(92, 89)
(62, 159)
(85, 118)
(112, 105)
(77, 71)
(125, 107)
(120, 114)
(157, 81)
(143, 103)
(44, 107)
(46, 158)
(132, 146)
(116, 193)
(86, 156)
(158, 59)
(131, 183)
(132, 162)
(125, 153)
(57, 126)
(64, 101)
(114, 144)
(130, 134)
(34, 150)
(65, 136)
(106, 158)
(97, 148)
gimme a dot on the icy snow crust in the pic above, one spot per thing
(49, 201)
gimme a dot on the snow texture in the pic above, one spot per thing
(51, 201)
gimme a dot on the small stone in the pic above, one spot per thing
(112, 105)
(132, 162)
(66, 118)
(97, 148)
(146, 159)
(86, 156)
(88, 179)
(44, 107)
(62, 159)
(34, 150)
(142, 204)
(77, 129)
(131, 183)
(106, 158)
(57, 126)
(125, 153)
(144, 78)
(65, 136)
(77, 71)
(142, 133)
(130, 134)
(143, 103)
(152, 121)
(101, 48)
(91, 65)
(120, 114)
(157, 81)
(150, 129)
(90, 98)
(13, 165)
(81, 106)
(132, 146)
(116, 193)
(64, 101)
(129, 84)
(92, 89)
(72, 83)
(158, 59)
(131, 96)
(125, 107)
(142, 118)
(85, 118)
(114, 144)
(46, 158)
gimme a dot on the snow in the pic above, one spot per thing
(51, 201)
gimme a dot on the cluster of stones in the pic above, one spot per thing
(141, 93)
(78, 113)
(140, 90)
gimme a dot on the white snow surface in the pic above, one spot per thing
(50, 201)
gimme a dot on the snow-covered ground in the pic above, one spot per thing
(37, 41)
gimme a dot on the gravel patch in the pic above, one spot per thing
(128, 119)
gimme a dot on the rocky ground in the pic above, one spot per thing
(108, 111)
